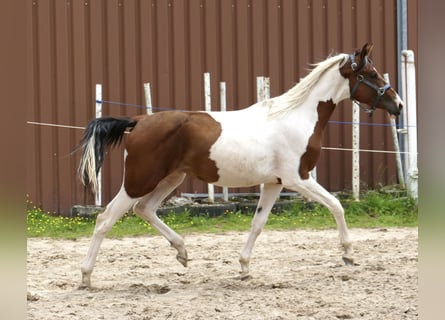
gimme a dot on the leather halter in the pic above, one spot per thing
(362, 79)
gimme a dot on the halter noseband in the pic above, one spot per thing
(361, 79)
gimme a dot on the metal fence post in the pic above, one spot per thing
(410, 115)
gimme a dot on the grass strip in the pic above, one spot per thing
(375, 209)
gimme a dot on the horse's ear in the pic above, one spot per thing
(366, 50)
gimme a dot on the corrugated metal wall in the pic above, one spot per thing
(124, 43)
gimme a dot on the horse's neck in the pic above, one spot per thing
(332, 86)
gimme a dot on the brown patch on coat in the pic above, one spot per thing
(310, 157)
(166, 142)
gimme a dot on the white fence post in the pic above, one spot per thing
(147, 91)
(222, 97)
(355, 151)
(266, 88)
(395, 141)
(410, 121)
(260, 89)
(260, 96)
(98, 195)
(208, 108)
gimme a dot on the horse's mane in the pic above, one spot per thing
(298, 94)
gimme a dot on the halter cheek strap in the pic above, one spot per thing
(380, 90)
(361, 79)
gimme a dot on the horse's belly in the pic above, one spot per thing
(242, 177)
(242, 166)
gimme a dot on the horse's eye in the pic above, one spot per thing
(374, 75)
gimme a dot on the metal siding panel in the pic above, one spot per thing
(181, 98)
(290, 44)
(92, 18)
(211, 49)
(196, 27)
(333, 26)
(196, 55)
(146, 37)
(260, 39)
(376, 137)
(54, 86)
(65, 136)
(131, 42)
(344, 110)
(228, 55)
(335, 166)
(34, 176)
(244, 82)
(318, 30)
(275, 48)
(114, 90)
(388, 57)
(165, 72)
(412, 25)
(47, 114)
(181, 60)
(304, 38)
(78, 95)
(389, 49)
(347, 26)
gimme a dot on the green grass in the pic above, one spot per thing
(376, 209)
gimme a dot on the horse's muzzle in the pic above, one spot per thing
(400, 109)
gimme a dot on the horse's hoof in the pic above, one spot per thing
(245, 277)
(348, 261)
(86, 281)
(83, 286)
(182, 260)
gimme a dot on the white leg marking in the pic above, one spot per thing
(104, 222)
(311, 189)
(268, 196)
(147, 206)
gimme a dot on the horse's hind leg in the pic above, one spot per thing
(311, 189)
(104, 222)
(147, 206)
(268, 196)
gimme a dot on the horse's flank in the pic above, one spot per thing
(166, 142)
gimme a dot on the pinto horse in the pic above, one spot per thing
(275, 142)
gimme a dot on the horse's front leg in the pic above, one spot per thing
(268, 196)
(104, 222)
(312, 190)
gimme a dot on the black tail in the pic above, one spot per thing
(101, 132)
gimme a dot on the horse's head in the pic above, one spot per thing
(366, 85)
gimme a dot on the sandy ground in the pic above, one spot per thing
(296, 275)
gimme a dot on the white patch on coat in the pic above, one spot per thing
(260, 144)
